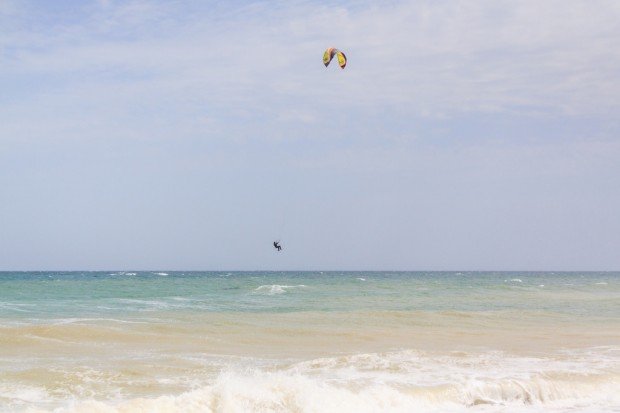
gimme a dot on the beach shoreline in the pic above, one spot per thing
(309, 342)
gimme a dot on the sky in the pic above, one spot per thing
(190, 135)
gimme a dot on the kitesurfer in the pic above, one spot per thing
(276, 245)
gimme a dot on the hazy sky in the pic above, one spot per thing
(191, 134)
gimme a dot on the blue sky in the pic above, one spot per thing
(188, 135)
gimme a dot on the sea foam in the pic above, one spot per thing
(394, 382)
(276, 289)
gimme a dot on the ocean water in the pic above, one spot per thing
(309, 341)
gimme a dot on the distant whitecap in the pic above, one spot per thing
(276, 289)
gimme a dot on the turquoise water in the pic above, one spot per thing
(173, 341)
(26, 295)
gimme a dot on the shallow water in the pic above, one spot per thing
(309, 342)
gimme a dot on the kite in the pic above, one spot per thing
(329, 55)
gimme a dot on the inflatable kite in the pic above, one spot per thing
(329, 55)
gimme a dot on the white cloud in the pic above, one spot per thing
(428, 59)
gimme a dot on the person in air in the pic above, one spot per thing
(277, 245)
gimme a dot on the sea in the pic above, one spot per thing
(168, 341)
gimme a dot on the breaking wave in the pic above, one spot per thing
(276, 289)
(403, 381)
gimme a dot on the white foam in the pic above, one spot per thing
(403, 381)
(516, 280)
(361, 279)
(17, 307)
(285, 392)
(145, 305)
(163, 274)
(277, 289)
(22, 395)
